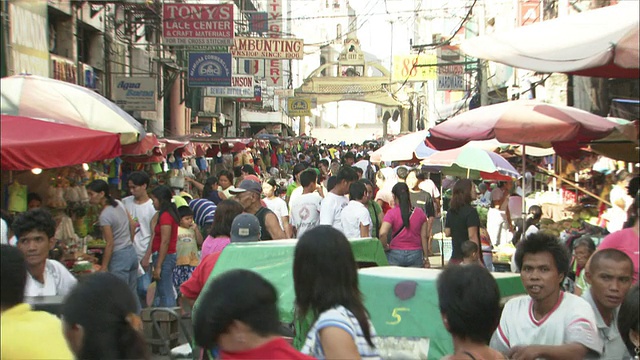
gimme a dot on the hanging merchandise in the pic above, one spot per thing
(156, 168)
(202, 163)
(17, 197)
(176, 179)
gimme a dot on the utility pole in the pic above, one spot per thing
(484, 91)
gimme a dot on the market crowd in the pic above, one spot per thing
(163, 242)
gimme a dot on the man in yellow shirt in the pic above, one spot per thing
(25, 333)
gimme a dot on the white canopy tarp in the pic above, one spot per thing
(601, 42)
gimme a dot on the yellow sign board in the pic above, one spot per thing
(298, 106)
(411, 68)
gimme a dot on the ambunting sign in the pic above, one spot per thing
(298, 106)
(197, 24)
(267, 48)
(210, 69)
(135, 93)
(241, 87)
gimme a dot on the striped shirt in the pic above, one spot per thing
(344, 319)
(203, 211)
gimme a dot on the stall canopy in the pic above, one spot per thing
(28, 143)
(600, 43)
(38, 97)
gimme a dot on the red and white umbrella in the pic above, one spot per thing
(44, 98)
(28, 143)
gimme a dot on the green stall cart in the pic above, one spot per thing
(403, 306)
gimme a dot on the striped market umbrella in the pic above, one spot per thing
(62, 102)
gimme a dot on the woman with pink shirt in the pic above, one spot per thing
(220, 234)
(409, 231)
(626, 240)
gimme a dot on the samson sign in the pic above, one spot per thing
(241, 87)
(135, 93)
(267, 48)
(209, 69)
(194, 24)
(451, 77)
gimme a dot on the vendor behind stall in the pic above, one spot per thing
(35, 231)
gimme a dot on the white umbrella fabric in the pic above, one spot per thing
(39, 97)
(600, 43)
(404, 148)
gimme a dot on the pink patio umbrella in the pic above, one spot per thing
(526, 123)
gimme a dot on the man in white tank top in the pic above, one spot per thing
(546, 323)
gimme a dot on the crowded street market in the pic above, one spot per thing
(171, 196)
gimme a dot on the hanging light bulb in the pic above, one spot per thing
(36, 171)
(85, 166)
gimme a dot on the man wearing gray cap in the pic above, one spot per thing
(248, 194)
(245, 228)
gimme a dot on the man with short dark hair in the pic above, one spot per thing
(35, 230)
(248, 195)
(348, 159)
(297, 169)
(26, 334)
(140, 207)
(356, 221)
(305, 208)
(244, 228)
(335, 200)
(547, 323)
(610, 274)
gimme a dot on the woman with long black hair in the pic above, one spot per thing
(99, 320)
(463, 222)
(118, 229)
(163, 245)
(325, 278)
(409, 231)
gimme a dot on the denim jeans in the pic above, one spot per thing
(143, 285)
(405, 258)
(165, 292)
(124, 265)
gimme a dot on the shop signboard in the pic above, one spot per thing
(529, 12)
(241, 87)
(299, 106)
(135, 93)
(257, 96)
(267, 48)
(276, 25)
(28, 38)
(414, 67)
(210, 69)
(197, 24)
(451, 77)
(258, 22)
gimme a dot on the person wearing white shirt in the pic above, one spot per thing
(305, 208)
(356, 221)
(610, 274)
(546, 323)
(35, 230)
(276, 204)
(335, 200)
(140, 206)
